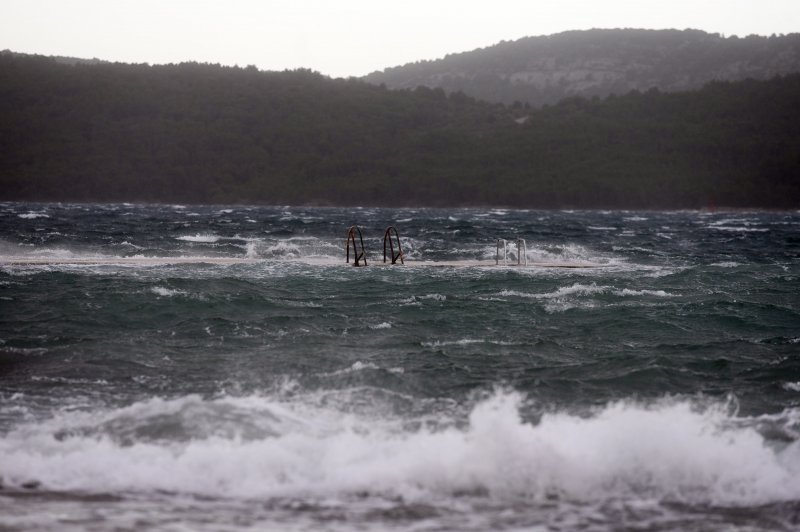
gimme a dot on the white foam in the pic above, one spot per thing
(33, 215)
(166, 292)
(579, 289)
(434, 297)
(283, 248)
(255, 447)
(574, 289)
(579, 295)
(462, 342)
(299, 247)
(382, 325)
(200, 238)
(251, 251)
(741, 229)
(626, 292)
(568, 253)
(361, 366)
(728, 221)
(443, 343)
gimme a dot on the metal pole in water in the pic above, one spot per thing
(505, 252)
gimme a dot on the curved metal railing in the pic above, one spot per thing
(392, 236)
(359, 254)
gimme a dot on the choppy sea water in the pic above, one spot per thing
(659, 390)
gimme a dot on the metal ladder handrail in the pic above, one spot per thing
(522, 252)
(388, 235)
(351, 237)
(505, 252)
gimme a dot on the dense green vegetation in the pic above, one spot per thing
(205, 133)
(546, 69)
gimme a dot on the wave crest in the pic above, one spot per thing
(258, 447)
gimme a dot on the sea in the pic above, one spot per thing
(183, 367)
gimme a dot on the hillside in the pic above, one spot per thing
(195, 133)
(546, 69)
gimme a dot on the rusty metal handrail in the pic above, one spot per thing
(351, 237)
(387, 235)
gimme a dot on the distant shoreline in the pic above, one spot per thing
(716, 210)
(203, 134)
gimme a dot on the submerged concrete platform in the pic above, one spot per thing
(321, 261)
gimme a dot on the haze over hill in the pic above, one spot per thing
(210, 134)
(543, 70)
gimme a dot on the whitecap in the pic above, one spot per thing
(726, 264)
(166, 292)
(256, 448)
(355, 367)
(442, 343)
(741, 229)
(462, 342)
(625, 292)
(199, 238)
(415, 300)
(574, 289)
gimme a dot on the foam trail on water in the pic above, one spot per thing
(260, 447)
(199, 238)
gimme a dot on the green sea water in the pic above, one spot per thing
(658, 389)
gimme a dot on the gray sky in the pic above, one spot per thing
(346, 37)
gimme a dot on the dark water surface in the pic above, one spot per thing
(658, 391)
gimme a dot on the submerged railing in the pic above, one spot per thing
(391, 244)
(522, 252)
(359, 254)
(391, 236)
(505, 251)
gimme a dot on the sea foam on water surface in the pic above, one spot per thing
(261, 447)
(31, 215)
(199, 238)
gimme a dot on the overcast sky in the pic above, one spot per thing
(346, 37)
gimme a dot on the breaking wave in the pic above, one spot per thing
(260, 447)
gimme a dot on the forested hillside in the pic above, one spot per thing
(205, 133)
(546, 69)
